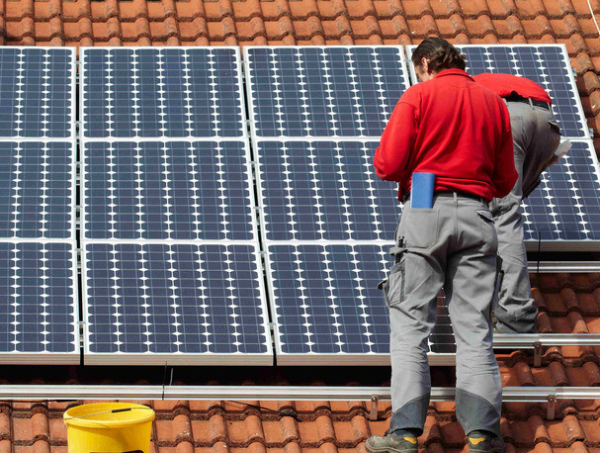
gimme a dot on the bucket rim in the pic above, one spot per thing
(81, 421)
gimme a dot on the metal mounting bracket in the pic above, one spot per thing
(551, 407)
(537, 354)
(373, 412)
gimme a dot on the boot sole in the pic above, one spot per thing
(372, 449)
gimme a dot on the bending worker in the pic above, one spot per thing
(439, 127)
(536, 136)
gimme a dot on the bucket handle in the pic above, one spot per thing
(112, 411)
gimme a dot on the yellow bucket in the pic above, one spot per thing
(109, 428)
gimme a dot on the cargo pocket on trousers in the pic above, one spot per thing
(393, 286)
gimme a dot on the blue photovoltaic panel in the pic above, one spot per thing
(548, 65)
(325, 300)
(323, 91)
(174, 299)
(37, 87)
(36, 190)
(162, 92)
(566, 204)
(325, 190)
(38, 311)
(167, 190)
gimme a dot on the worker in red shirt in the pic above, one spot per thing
(536, 136)
(456, 129)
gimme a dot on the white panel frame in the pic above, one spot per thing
(82, 93)
(251, 93)
(565, 54)
(52, 358)
(182, 359)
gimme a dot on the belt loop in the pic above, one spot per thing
(455, 195)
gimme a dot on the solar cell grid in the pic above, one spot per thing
(37, 93)
(202, 300)
(38, 309)
(167, 190)
(162, 92)
(325, 299)
(565, 207)
(38, 182)
(331, 91)
(324, 190)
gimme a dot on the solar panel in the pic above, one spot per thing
(167, 190)
(37, 92)
(565, 208)
(38, 305)
(547, 64)
(38, 190)
(186, 92)
(175, 304)
(324, 190)
(323, 91)
(326, 304)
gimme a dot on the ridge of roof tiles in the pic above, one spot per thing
(312, 22)
(307, 427)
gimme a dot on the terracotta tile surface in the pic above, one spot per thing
(185, 427)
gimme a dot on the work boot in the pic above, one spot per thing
(481, 443)
(391, 443)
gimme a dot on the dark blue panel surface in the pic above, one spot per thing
(174, 190)
(326, 300)
(324, 91)
(174, 298)
(549, 66)
(325, 190)
(37, 308)
(566, 204)
(36, 92)
(170, 92)
(36, 190)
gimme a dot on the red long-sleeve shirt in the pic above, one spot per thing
(504, 84)
(455, 128)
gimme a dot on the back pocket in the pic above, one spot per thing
(421, 228)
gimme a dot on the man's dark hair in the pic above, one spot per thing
(440, 53)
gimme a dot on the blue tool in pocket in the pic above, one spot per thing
(422, 190)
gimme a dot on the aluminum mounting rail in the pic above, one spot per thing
(547, 267)
(538, 341)
(269, 393)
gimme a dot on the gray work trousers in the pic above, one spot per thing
(536, 136)
(451, 246)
